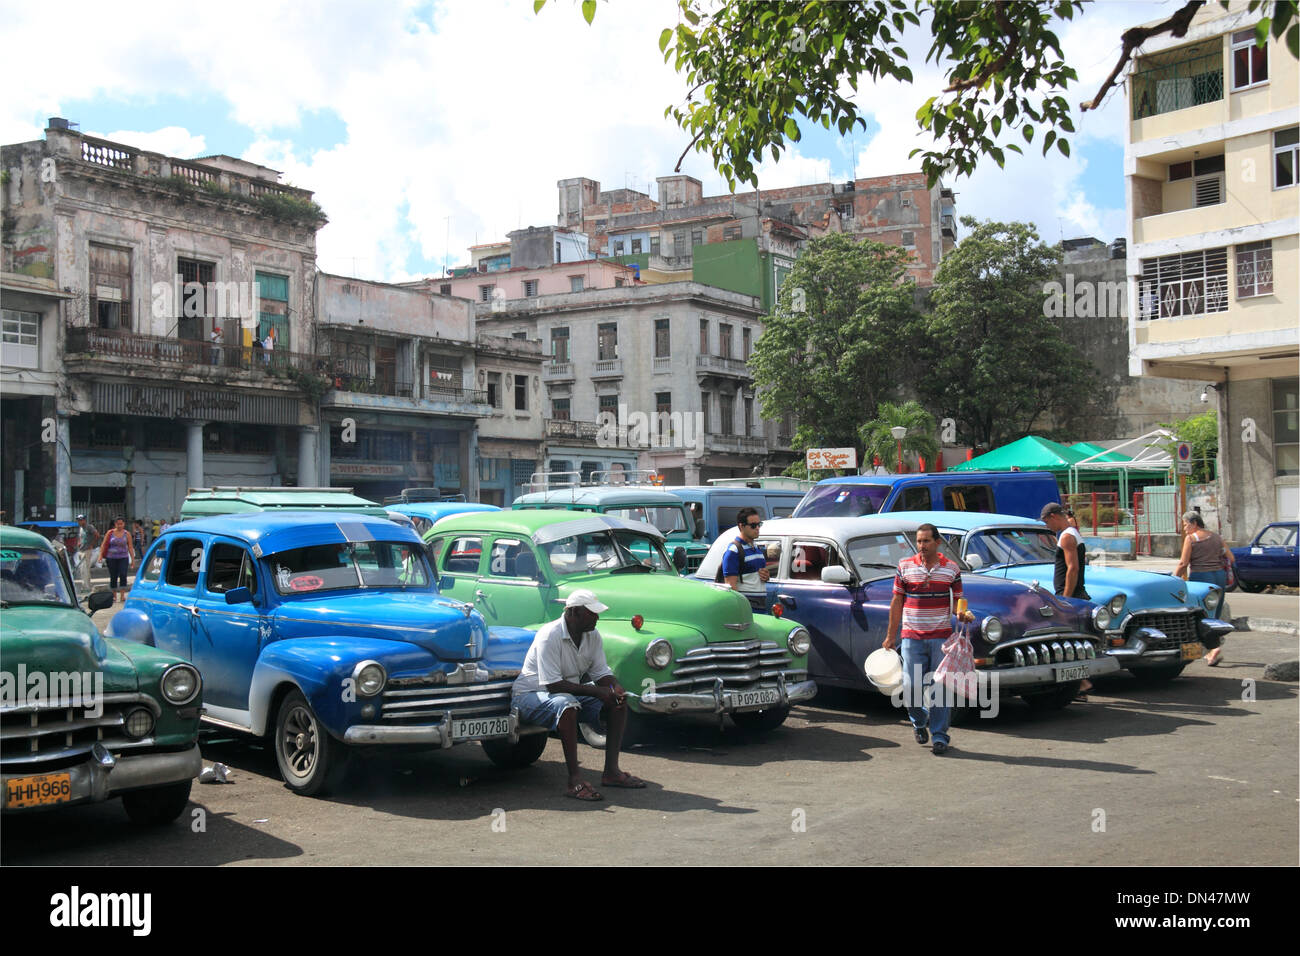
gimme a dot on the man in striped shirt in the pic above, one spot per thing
(926, 587)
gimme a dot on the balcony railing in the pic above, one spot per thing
(1172, 81)
(159, 349)
(557, 371)
(472, 396)
(564, 428)
(112, 155)
(717, 363)
(607, 368)
(741, 444)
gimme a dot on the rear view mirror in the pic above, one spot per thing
(99, 600)
(446, 582)
(836, 575)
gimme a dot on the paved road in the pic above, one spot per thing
(1199, 771)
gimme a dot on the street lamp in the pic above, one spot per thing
(899, 433)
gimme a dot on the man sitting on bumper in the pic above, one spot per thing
(549, 691)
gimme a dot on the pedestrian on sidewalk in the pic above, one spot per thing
(1207, 559)
(87, 546)
(1067, 579)
(118, 553)
(139, 537)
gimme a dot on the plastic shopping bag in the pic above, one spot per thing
(957, 669)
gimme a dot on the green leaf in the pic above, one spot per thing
(537, 5)
(664, 38)
(1028, 132)
(589, 10)
(1048, 140)
(1063, 146)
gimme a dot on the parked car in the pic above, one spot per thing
(718, 506)
(1154, 623)
(85, 719)
(646, 504)
(836, 576)
(327, 633)
(1003, 492)
(210, 502)
(425, 514)
(679, 647)
(1269, 559)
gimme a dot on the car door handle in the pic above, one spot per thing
(786, 599)
(480, 595)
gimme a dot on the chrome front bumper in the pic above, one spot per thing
(720, 700)
(1044, 675)
(103, 776)
(1140, 649)
(432, 735)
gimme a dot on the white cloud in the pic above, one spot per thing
(170, 141)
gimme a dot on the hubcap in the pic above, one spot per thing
(298, 742)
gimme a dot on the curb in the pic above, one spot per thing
(1271, 624)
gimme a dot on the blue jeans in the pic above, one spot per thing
(920, 658)
(1219, 578)
(544, 709)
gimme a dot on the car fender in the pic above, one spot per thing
(506, 649)
(318, 667)
(131, 624)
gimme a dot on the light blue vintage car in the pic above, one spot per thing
(1154, 623)
(326, 633)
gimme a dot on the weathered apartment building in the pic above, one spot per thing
(1212, 167)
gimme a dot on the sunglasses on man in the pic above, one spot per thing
(753, 524)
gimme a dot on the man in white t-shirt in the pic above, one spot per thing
(1067, 579)
(565, 679)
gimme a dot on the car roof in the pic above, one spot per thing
(19, 538)
(599, 496)
(927, 476)
(282, 530)
(734, 490)
(528, 523)
(840, 529)
(969, 520)
(439, 509)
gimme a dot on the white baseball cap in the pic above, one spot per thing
(584, 597)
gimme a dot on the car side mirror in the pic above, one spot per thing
(239, 596)
(99, 600)
(836, 575)
(679, 559)
(974, 562)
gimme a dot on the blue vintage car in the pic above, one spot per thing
(1154, 623)
(1269, 559)
(327, 633)
(835, 576)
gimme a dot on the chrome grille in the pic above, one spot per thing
(740, 664)
(1050, 650)
(463, 700)
(1178, 627)
(35, 733)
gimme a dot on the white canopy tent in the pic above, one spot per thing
(1152, 455)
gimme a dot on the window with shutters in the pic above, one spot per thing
(485, 293)
(20, 342)
(654, 245)
(196, 280)
(724, 340)
(704, 336)
(560, 409)
(530, 288)
(560, 344)
(636, 246)
(1209, 191)
(1193, 283)
(606, 341)
(445, 373)
(1255, 269)
(662, 338)
(110, 287)
(273, 307)
(746, 343)
(731, 232)
(521, 393)
(726, 414)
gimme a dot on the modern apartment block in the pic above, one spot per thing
(1211, 163)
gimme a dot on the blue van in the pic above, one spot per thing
(1020, 493)
(717, 506)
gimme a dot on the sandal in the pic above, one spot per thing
(626, 781)
(583, 791)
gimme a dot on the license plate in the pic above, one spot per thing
(1193, 651)
(748, 699)
(1072, 673)
(472, 728)
(39, 791)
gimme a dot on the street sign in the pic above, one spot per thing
(822, 459)
(1184, 452)
(1184, 467)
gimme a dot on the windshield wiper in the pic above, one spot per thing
(633, 567)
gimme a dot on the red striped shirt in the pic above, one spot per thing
(930, 595)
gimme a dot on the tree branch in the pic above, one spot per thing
(993, 69)
(1133, 38)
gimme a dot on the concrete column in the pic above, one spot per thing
(194, 453)
(63, 469)
(323, 456)
(308, 467)
(469, 465)
(692, 472)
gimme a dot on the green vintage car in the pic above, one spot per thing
(82, 718)
(679, 646)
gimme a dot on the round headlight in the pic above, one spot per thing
(180, 684)
(1116, 605)
(992, 630)
(1210, 600)
(369, 677)
(1102, 618)
(799, 641)
(659, 654)
(138, 723)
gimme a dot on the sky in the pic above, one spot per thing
(424, 128)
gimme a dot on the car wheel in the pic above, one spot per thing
(311, 761)
(596, 737)
(1251, 587)
(1056, 699)
(761, 721)
(157, 805)
(1157, 675)
(518, 755)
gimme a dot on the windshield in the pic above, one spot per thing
(351, 566)
(31, 576)
(669, 519)
(1012, 546)
(842, 501)
(877, 555)
(607, 551)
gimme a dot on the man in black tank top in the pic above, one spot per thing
(1067, 580)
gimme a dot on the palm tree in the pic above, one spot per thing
(920, 426)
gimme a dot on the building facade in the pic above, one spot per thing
(1211, 166)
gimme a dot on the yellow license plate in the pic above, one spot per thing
(47, 789)
(1193, 651)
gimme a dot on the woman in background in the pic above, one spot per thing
(1205, 558)
(119, 555)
